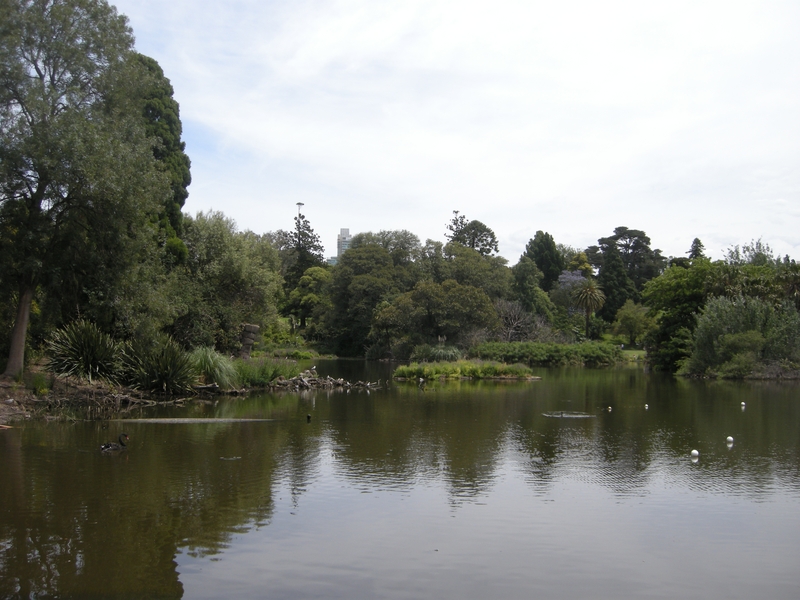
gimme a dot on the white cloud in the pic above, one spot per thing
(574, 117)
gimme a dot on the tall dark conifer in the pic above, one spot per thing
(543, 251)
(616, 284)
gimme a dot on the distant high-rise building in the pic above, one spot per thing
(342, 242)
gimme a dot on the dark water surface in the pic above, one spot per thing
(464, 490)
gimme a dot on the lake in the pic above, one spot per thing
(578, 485)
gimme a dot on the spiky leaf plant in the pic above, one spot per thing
(80, 349)
(159, 366)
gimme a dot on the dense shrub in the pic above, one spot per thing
(80, 349)
(736, 336)
(591, 354)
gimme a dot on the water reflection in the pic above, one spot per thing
(74, 521)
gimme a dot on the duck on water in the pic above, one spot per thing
(114, 446)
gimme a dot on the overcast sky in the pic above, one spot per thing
(678, 118)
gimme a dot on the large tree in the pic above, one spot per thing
(307, 248)
(641, 262)
(162, 122)
(543, 251)
(472, 234)
(617, 286)
(77, 170)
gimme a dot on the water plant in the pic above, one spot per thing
(80, 349)
(472, 369)
(262, 371)
(213, 367)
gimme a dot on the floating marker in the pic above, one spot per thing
(609, 409)
(743, 404)
(695, 454)
(646, 407)
(729, 440)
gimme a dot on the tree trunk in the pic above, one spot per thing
(16, 354)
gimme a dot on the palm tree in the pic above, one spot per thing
(590, 298)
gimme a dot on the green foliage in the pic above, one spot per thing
(675, 297)
(542, 250)
(463, 369)
(39, 383)
(229, 278)
(734, 335)
(214, 367)
(80, 349)
(433, 312)
(306, 251)
(469, 267)
(640, 262)
(590, 298)
(363, 278)
(78, 179)
(428, 353)
(310, 295)
(592, 354)
(617, 285)
(527, 289)
(472, 234)
(632, 321)
(697, 250)
(162, 122)
(159, 366)
(261, 372)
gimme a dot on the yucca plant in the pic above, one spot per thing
(213, 367)
(80, 349)
(160, 366)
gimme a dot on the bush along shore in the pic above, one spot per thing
(533, 354)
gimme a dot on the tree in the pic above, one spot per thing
(433, 311)
(363, 278)
(675, 297)
(162, 122)
(615, 282)
(580, 262)
(632, 320)
(755, 253)
(470, 267)
(77, 170)
(307, 248)
(696, 251)
(641, 263)
(229, 278)
(527, 290)
(589, 298)
(472, 234)
(309, 295)
(543, 251)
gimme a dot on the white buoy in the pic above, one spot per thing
(646, 407)
(609, 409)
(729, 440)
(695, 454)
(743, 404)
